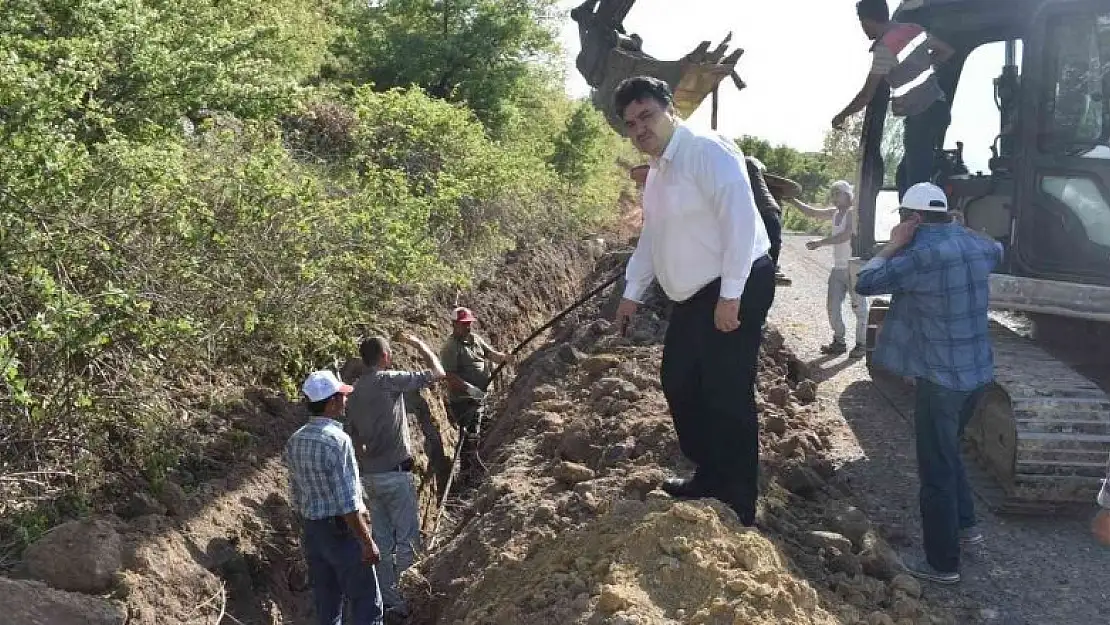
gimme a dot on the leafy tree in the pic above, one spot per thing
(486, 53)
(579, 147)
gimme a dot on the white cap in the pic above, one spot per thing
(321, 385)
(925, 196)
(843, 186)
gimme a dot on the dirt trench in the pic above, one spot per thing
(569, 527)
(227, 547)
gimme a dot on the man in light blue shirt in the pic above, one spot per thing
(937, 332)
(327, 494)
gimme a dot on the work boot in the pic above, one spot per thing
(971, 536)
(859, 351)
(690, 488)
(835, 348)
(923, 570)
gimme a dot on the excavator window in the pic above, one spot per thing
(1074, 119)
(976, 118)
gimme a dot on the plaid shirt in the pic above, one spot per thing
(937, 325)
(323, 474)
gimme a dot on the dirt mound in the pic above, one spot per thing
(569, 526)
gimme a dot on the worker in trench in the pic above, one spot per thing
(327, 494)
(468, 360)
(936, 332)
(379, 422)
(904, 55)
(843, 226)
(704, 241)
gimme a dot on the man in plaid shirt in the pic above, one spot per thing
(327, 494)
(937, 333)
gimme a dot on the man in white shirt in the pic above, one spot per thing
(704, 241)
(843, 226)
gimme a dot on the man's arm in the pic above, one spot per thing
(888, 273)
(429, 357)
(491, 353)
(724, 178)
(882, 61)
(811, 212)
(348, 489)
(640, 271)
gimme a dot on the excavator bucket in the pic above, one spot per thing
(609, 56)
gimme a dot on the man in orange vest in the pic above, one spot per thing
(903, 55)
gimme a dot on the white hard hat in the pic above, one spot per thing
(925, 196)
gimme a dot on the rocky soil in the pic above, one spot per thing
(569, 526)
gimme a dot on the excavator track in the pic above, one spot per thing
(1041, 432)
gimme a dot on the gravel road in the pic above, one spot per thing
(1030, 571)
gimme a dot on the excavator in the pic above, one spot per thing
(1041, 434)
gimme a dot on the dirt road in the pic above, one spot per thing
(1029, 571)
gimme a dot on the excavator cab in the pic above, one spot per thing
(1043, 430)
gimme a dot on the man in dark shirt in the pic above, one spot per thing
(769, 211)
(466, 358)
(376, 411)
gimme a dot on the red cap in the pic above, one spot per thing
(463, 315)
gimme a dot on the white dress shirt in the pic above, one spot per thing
(700, 220)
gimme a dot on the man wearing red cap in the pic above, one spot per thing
(466, 358)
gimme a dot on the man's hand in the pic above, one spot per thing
(1100, 527)
(903, 233)
(812, 245)
(370, 553)
(838, 121)
(625, 310)
(727, 315)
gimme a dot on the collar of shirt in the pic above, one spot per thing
(323, 422)
(672, 148)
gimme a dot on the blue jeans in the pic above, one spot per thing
(922, 135)
(940, 416)
(337, 571)
(395, 520)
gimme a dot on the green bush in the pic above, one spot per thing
(202, 207)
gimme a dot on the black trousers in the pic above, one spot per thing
(709, 381)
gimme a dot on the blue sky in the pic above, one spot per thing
(803, 61)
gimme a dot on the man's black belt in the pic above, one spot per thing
(404, 467)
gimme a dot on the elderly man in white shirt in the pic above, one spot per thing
(704, 241)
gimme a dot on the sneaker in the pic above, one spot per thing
(859, 351)
(971, 536)
(923, 570)
(835, 348)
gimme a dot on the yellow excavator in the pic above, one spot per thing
(1042, 432)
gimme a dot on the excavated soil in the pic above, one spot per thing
(568, 525)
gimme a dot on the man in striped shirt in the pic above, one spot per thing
(903, 55)
(327, 494)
